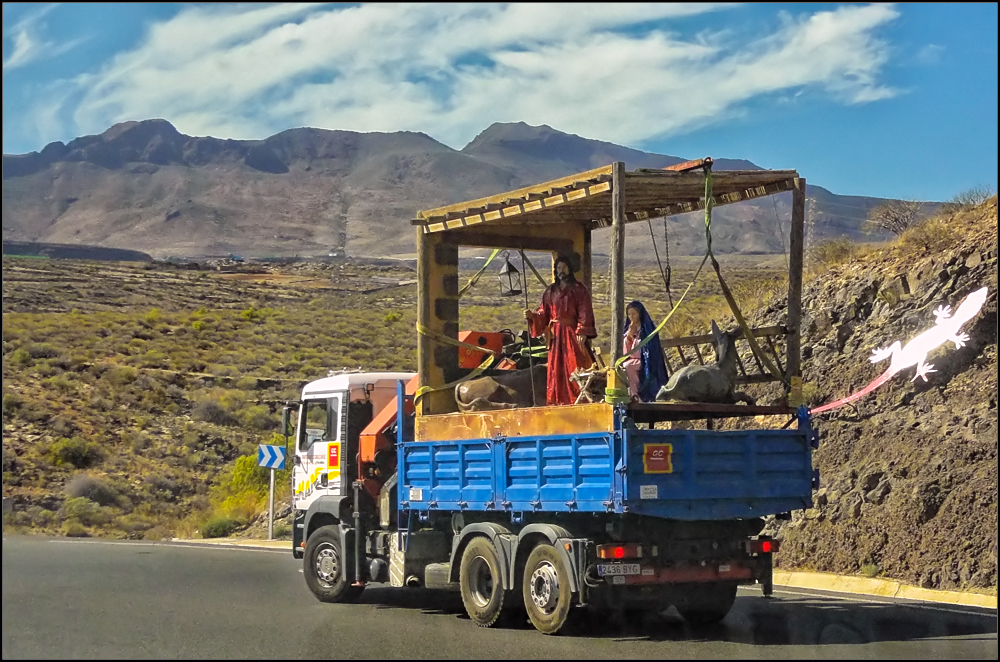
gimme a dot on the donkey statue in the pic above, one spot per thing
(709, 383)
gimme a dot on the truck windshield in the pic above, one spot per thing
(319, 422)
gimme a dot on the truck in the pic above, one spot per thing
(545, 512)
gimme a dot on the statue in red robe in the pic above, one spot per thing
(566, 317)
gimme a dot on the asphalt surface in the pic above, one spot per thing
(102, 599)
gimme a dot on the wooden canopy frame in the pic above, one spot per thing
(559, 216)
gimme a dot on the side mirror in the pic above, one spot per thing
(286, 420)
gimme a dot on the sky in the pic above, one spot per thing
(889, 100)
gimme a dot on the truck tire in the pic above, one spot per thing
(707, 604)
(481, 582)
(325, 567)
(546, 589)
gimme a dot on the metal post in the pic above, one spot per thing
(531, 360)
(270, 509)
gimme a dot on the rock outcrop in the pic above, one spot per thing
(909, 472)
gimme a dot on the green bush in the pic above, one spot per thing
(250, 314)
(119, 376)
(83, 510)
(20, 357)
(134, 524)
(282, 531)
(42, 351)
(219, 527)
(75, 451)
(259, 418)
(157, 533)
(11, 403)
(74, 529)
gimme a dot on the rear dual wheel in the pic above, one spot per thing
(481, 581)
(546, 589)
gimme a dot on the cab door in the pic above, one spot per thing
(318, 450)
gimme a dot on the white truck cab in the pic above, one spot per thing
(332, 413)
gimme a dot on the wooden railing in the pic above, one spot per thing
(697, 350)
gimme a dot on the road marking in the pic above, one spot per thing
(205, 545)
(869, 599)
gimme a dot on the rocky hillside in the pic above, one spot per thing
(909, 472)
(145, 186)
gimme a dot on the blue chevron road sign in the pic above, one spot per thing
(271, 457)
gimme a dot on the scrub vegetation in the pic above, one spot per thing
(135, 395)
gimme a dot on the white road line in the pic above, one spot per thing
(172, 544)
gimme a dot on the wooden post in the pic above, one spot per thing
(796, 242)
(437, 312)
(617, 258)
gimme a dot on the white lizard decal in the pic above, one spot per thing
(915, 352)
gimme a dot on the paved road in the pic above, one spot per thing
(102, 599)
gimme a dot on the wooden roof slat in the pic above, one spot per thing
(584, 198)
(595, 174)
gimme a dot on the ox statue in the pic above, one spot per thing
(507, 390)
(709, 383)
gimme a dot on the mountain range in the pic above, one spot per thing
(145, 186)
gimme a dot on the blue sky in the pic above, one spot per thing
(895, 100)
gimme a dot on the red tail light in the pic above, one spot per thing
(628, 550)
(762, 546)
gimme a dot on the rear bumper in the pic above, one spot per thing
(741, 571)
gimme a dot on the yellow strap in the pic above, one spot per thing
(677, 305)
(475, 277)
(747, 333)
(437, 337)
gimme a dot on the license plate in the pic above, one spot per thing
(606, 569)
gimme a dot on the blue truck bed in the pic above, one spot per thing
(674, 474)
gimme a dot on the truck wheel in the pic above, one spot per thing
(325, 567)
(708, 604)
(481, 582)
(546, 589)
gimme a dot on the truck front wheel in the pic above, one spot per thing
(481, 582)
(326, 568)
(707, 604)
(546, 589)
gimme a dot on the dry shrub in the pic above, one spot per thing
(212, 411)
(932, 235)
(92, 488)
(831, 253)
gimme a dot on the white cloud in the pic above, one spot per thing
(617, 72)
(930, 54)
(28, 43)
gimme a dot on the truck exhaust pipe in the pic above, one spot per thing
(413, 581)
